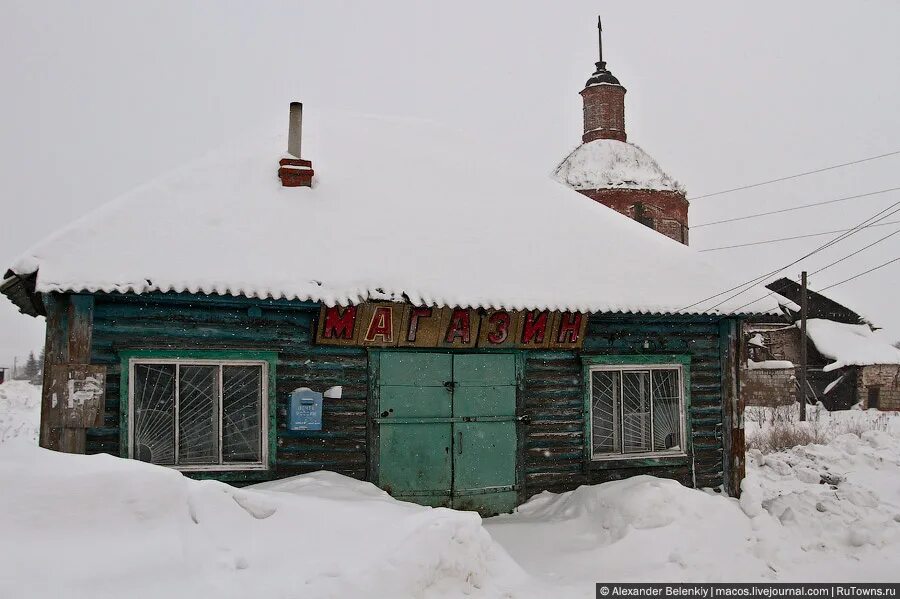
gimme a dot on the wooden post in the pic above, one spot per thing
(731, 340)
(803, 342)
(55, 352)
(68, 344)
(80, 328)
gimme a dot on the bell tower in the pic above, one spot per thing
(604, 101)
(615, 173)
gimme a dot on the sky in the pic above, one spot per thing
(102, 96)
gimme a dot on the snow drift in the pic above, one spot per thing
(99, 526)
(20, 411)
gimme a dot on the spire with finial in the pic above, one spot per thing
(601, 75)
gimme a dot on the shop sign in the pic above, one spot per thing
(402, 325)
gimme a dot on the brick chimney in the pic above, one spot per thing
(604, 102)
(294, 171)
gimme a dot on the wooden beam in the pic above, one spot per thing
(803, 346)
(68, 342)
(734, 465)
(81, 319)
(55, 352)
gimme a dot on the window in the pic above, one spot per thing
(636, 410)
(202, 414)
(642, 216)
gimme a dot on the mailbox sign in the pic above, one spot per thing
(305, 410)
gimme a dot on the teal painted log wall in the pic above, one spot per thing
(554, 400)
(129, 322)
(553, 392)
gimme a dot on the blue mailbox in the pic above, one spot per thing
(305, 413)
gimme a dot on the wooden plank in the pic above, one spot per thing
(55, 352)
(81, 317)
(735, 469)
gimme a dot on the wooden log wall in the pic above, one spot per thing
(190, 322)
(554, 401)
(554, 456)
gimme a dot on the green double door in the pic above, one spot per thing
(447, 429)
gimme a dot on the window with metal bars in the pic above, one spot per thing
(198, 414)
(636, 411)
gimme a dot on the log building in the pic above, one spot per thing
(400, 308)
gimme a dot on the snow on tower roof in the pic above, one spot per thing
(613, 164)
(400, 209)
(849, 344)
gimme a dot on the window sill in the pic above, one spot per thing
(639, 461)
(249, 476)
(221, 468)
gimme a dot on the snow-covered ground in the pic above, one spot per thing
(20, 411)
(99, 526)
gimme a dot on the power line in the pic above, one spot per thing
(780, 239)
(863, 225)
(750, 283)
(856, 276)
(819, 170)
(827, 266)
(855, 253)
(801, 207)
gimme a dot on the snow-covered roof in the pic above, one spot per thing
(849, 344)
(613, 164)
(400, 209)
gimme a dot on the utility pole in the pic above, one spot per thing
(803, 347)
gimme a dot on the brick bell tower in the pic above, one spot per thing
(620, 175)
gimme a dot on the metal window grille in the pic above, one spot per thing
(636, 410)
(198, 414)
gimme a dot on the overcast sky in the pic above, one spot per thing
(100, 96)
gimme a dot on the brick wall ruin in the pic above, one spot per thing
(769, 387)
(885, 378)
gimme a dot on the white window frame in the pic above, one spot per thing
(263, 464)
(621, 368)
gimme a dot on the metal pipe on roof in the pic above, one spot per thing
(295, 129)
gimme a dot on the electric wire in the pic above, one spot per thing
(791, 238)
(827, 266)
(856, 276)
(804, 174)
(862, 249)
(863, 225)
(754, 281)
(792, 209)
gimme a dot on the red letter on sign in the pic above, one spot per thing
(535, 327)
(459, 327)
(500, 322)
(337, 325)
(414, 315)
(381, 325)
(569, 327)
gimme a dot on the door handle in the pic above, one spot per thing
(459, 442)
(450, 386)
